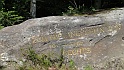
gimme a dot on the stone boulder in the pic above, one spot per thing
(89, 39)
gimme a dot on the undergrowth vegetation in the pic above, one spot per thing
(44, 62)
(9, 18)
(78, 10)
(1, 26)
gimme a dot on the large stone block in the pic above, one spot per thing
(86, 40)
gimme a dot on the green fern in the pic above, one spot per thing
(9, 18)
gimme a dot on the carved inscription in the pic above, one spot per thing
(76, 33)
(47, 38)
(93, 30)
(77, 51)
(77, 47)
(71, 44)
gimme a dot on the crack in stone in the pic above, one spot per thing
(96, 25)
(102, 39)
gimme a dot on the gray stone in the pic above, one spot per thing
(91, 39)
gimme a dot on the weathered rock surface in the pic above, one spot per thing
(86, 40)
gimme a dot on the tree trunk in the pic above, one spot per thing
(33, 9)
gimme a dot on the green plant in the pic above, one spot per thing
(44, 62)
(9, 18)
(88, 67)
(71, 63)
(80, 10)
(1, 26)
(72, 11)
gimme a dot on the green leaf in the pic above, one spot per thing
(1, 26)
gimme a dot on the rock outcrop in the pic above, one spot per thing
(91, 39)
